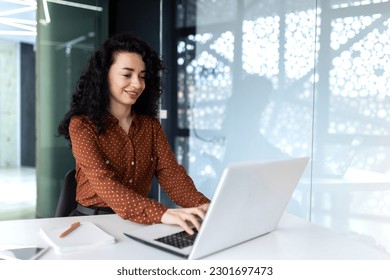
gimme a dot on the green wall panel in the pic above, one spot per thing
(67, 36)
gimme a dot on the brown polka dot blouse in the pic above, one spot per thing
(115, 169)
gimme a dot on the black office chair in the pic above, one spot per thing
(67, 200)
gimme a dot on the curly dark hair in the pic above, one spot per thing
(91, 94)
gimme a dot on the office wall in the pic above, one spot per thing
(17, 104)
(139, 17)
(9, 104)
(265, 80)
(27, 105)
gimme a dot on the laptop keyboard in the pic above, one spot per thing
(179, 240)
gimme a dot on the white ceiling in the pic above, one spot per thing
(18, 20)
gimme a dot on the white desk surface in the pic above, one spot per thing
(294, 239)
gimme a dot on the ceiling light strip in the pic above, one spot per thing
(22, 2)
(17, 33)
(18, 20)
(46, 11)
(18, 25)
(77, 5)
(17, 11)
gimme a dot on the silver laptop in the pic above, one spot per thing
(248, 202)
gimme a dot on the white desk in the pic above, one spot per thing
(295, 239)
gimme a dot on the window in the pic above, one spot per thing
(317, 76)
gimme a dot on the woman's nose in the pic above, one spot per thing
(136, 83)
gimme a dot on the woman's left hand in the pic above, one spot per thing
(185, 217)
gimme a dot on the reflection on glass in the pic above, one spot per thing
(328, 72)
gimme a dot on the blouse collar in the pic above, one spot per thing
(112, 120)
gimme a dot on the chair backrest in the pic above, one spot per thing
(67, 200)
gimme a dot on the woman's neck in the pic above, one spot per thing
(123, 114)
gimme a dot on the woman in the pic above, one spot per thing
(118, 142)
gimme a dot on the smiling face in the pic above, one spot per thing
(126, 80)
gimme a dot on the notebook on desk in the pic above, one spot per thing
(86, 236)
(248, 202)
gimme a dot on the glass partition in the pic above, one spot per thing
(268, 80)
(63, 47)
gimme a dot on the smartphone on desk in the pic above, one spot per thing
(23, 253)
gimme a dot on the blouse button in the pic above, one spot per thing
(107, 162)
(132, 163)
(131, 181)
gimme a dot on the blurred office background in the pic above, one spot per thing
(248, 80)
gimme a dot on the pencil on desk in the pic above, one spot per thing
(70, 229)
